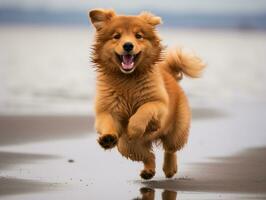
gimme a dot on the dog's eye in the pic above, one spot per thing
(117, 36)
(138, 36)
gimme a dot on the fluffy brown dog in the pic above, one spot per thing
(138, 98)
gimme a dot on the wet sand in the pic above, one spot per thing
(223, 160)
(25, 129)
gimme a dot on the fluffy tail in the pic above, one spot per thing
(178, 63)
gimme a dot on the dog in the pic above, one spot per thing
(138, 97)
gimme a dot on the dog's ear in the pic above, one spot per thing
(99, 17)
(150, 18)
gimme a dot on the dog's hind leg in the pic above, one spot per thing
(176, 137)
(170, 164)
(171, 144)
(138, 150)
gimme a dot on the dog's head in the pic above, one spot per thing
(125, 44)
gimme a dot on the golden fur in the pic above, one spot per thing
(135, 109)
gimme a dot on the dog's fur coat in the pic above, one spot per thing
(134, 109)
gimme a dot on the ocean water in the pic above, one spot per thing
(47, 69)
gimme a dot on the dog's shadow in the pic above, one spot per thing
(149, 194)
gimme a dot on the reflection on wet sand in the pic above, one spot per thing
(241, 173)
(149, 194)
(27, 129)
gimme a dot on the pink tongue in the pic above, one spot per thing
(127, 62)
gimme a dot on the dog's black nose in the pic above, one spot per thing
(128, 46)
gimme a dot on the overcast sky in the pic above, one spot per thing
(205, 6)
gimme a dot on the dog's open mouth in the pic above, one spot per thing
(127, 62)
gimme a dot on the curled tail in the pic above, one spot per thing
(178, 63)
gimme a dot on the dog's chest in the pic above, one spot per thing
(124, 102)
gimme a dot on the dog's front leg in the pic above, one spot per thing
(105, 126)
(151, 111)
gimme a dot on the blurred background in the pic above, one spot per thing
(47, 87)
(45, 48)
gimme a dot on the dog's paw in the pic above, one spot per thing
(108, 141)
(170, 171)
(153, 125)
(147, 174)
(170, 174)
